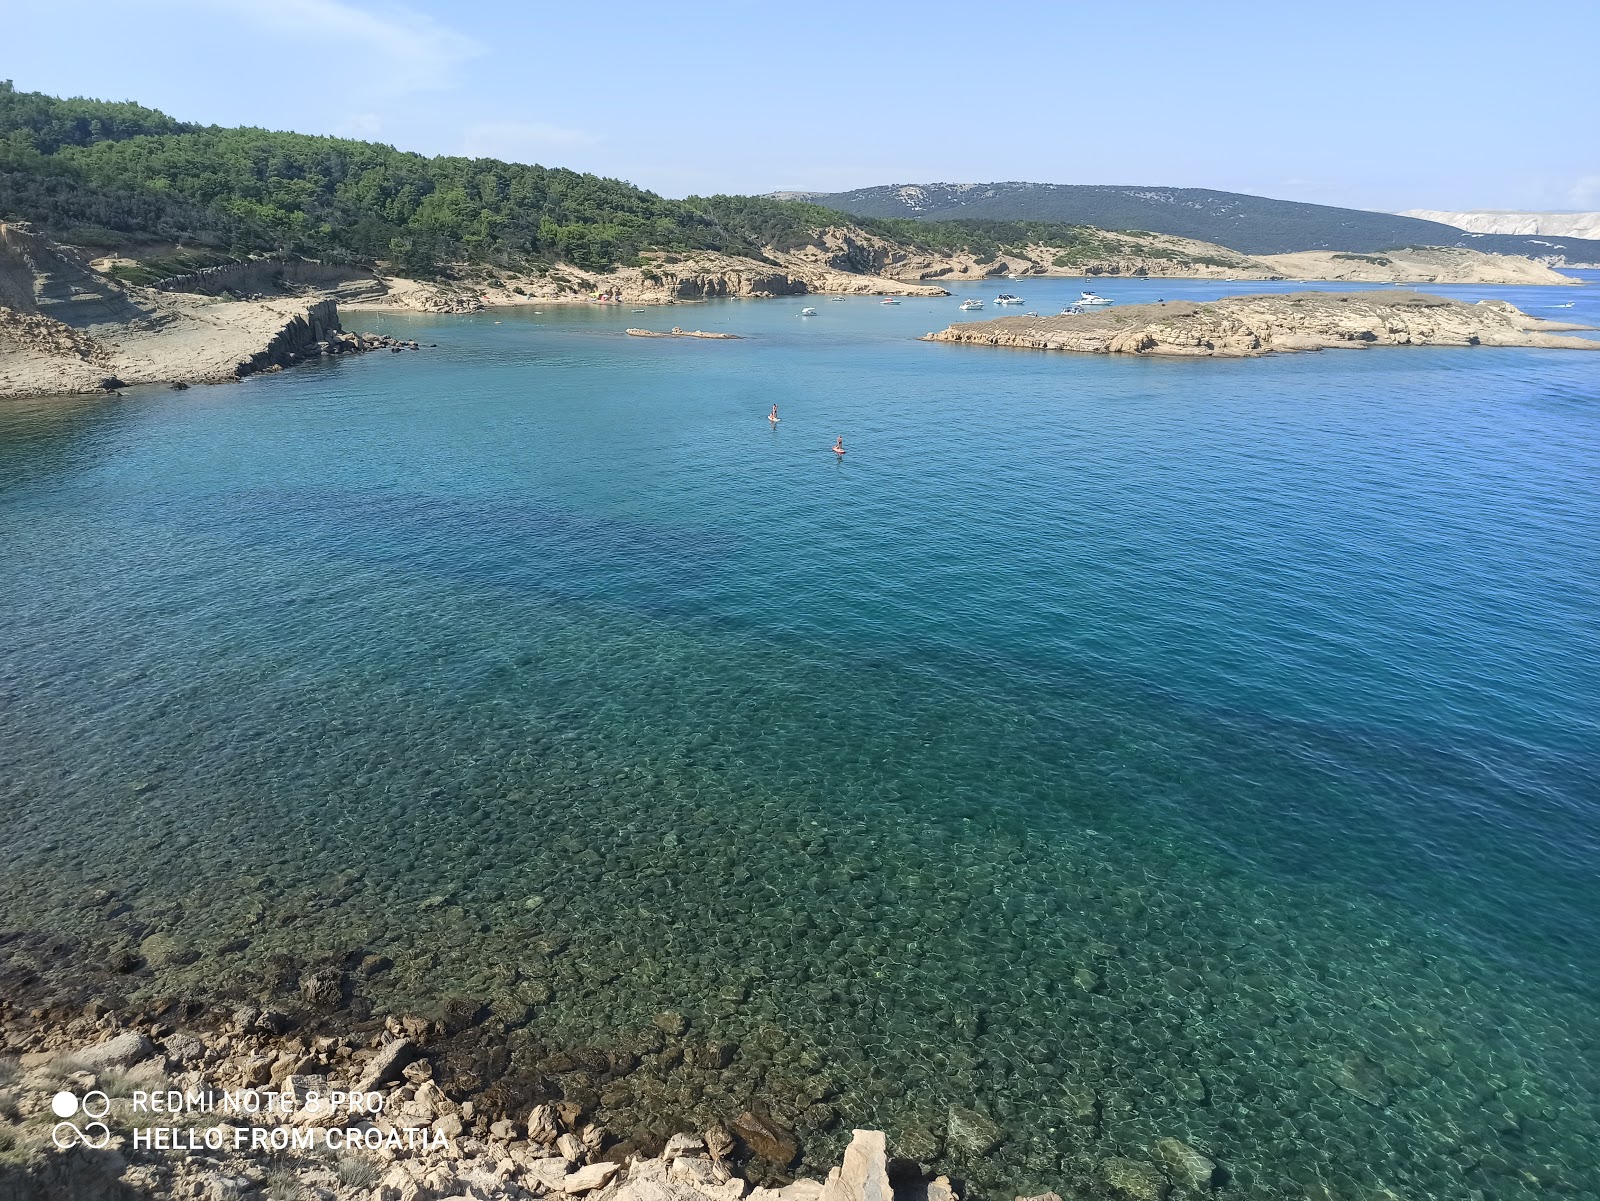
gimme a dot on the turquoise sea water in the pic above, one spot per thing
(1119, 748)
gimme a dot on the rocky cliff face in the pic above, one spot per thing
(296, 340)
(1495, 221)
(39, 277)
(272, 276)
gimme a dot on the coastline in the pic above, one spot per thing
(1252, 326)
(372, 1109)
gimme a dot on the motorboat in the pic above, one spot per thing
(808, 312)
(837, 299)
(971, 304)
(1090, 300)
(1007, 298)
(890, 300)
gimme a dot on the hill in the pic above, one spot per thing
(1504, 221)
(201, 208)
(1248, 224)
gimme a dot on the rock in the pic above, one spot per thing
(940, 1189)
(1184, 1164)
(123, 1051)
(386, 1066)
(161, 950)
(683, 1144)
(1133, 1180)
(973, 1131)
(719, 1143)
(298, 1087)
(766, 1138)
(1363, 1077)
(796, 1190)
(671, 1023)
(864, 1174)
(1041, 1197)
(448, 1124)
(111, 383)
(584, 1180)
(254, 1070)
(698, 1171)
(323, 989)
(184, 1048)
(920, 1143)
(715, 1054)
(542, 1128)
(505, 1130)
(274, 1022)
(1082, 1105)
(571, 1149)
(548, 1172)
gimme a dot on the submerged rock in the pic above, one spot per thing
(974, 1131)
(1134, 1180)
(1186, 1165)
(766, 1138)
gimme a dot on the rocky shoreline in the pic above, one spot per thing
(1249, 326)
(260, 1105)
(67, 328)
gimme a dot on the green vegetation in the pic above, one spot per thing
(118, 176)
(1248, 224)
(1365, 258)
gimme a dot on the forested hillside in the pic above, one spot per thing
(114, 175)
(1248, 224)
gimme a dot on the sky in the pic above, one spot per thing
(1384, 106)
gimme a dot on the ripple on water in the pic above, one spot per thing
(1121, 751)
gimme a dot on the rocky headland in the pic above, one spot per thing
(1246, 326)
(66, 327)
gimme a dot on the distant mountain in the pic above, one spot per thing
(1248, 224)
(1507, 221)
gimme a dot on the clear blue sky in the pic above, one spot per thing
(1375, 105)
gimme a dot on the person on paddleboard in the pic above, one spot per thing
(838, 445)
(773, 416)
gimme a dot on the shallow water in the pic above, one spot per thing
(1121, 748)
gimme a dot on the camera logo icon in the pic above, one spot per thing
(93, 1134)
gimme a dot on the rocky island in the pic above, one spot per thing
(1246, 326)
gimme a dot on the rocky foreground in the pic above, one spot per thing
(252, 1111)
(1247, 326)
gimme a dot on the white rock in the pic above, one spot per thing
(590, 1178)
(123, 1051)
(386, 1066)
(864, 1175)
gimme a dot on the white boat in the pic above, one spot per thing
(808, 312)
(1007, 298)
(837, 299)
(890, 300)
(1091, 301)
(971, 304)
